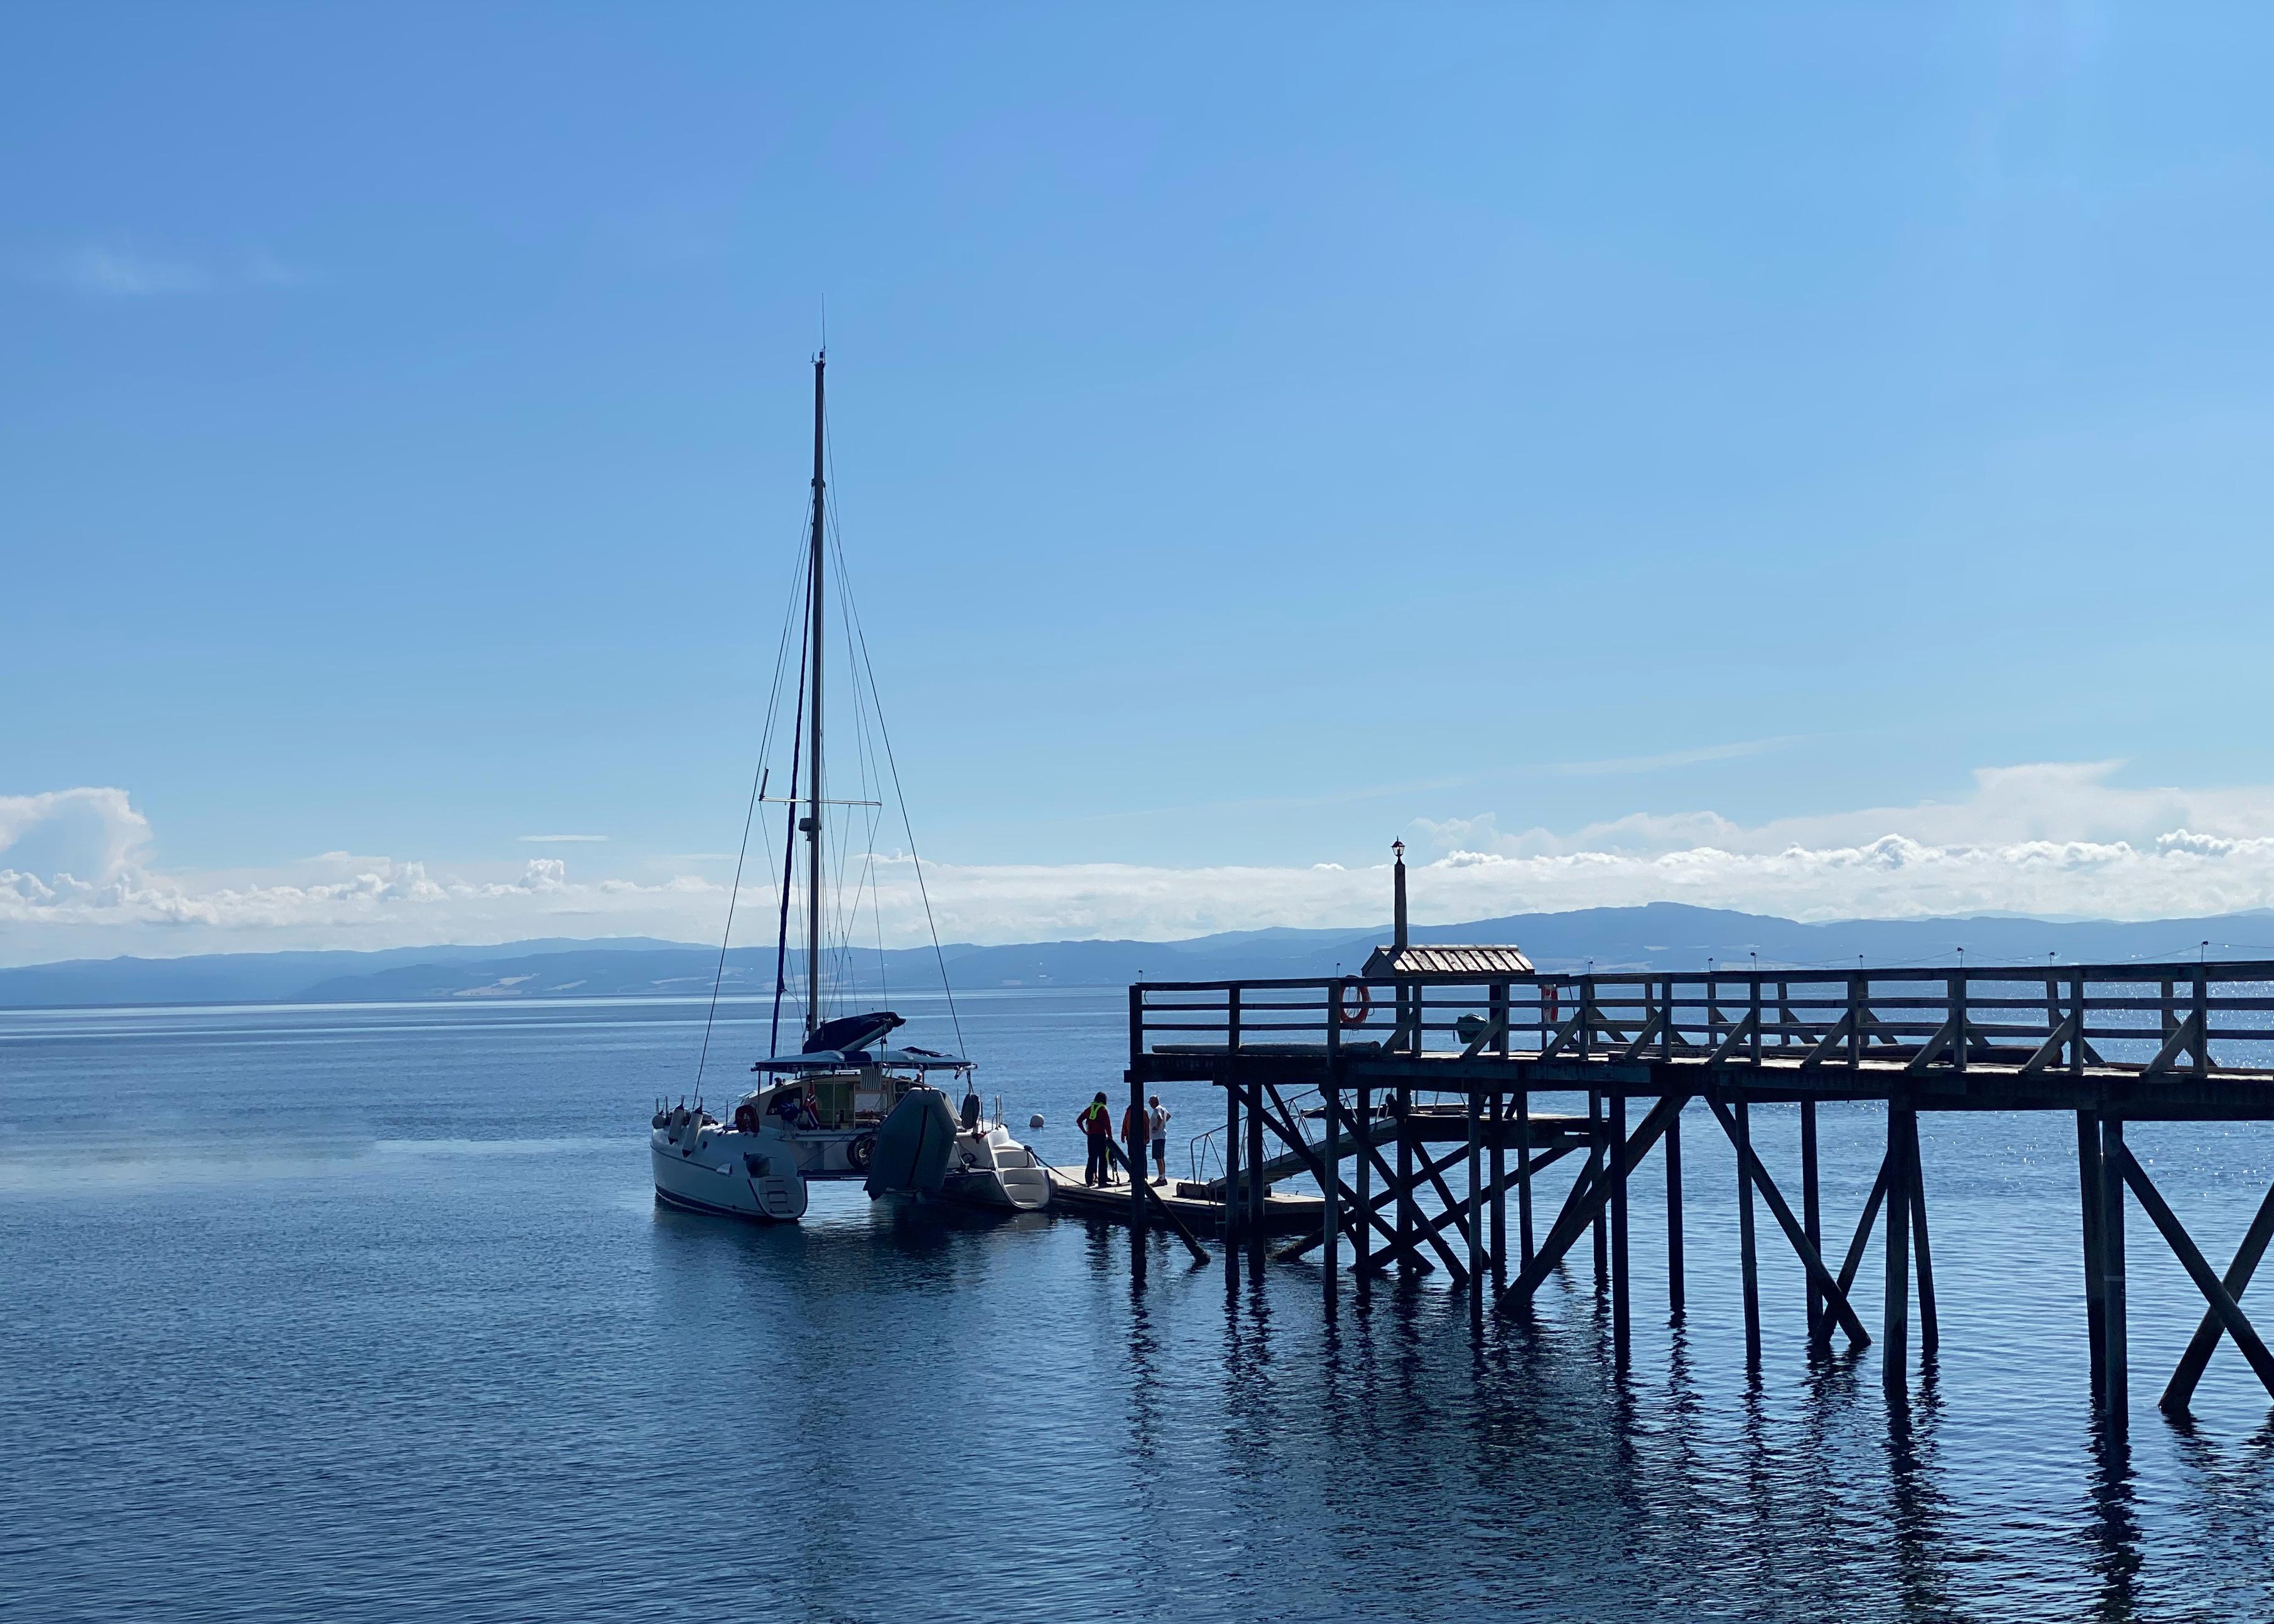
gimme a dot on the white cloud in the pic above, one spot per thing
(77, 878)
(101, 272)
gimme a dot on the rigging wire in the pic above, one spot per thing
(899, 794)
(758, 789)
(757, 794)
(789, 845)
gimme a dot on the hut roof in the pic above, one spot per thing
(1445, 962)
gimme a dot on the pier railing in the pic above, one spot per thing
(2199, 1020)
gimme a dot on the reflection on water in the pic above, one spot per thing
(373, 1316)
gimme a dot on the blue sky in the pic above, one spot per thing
(1575, 439)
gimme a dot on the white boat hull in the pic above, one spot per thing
(726, 1188)
(705, 1166)
(991, 1168)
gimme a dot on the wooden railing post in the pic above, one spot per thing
(1858, 1011)
(1956, 995)
(2203, 1023)
(1756, 1017)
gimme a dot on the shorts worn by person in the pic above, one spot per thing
(1157, 1122)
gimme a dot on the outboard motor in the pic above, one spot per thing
(913, 1145)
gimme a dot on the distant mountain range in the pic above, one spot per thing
(1663, 936)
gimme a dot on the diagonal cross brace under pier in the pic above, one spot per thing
(2205, 1341)
(1281, 1123)
(1834, 1292)
(2215, 1292)
(1588, 1197)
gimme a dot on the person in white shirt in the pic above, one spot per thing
(1157, 1121)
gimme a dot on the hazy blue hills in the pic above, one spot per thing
(1661, 937)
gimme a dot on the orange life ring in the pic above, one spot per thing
(1346, 1015)
(1548, 1009)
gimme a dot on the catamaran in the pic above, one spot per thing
(848, 1104)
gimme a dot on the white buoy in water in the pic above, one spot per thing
(1035, 1121)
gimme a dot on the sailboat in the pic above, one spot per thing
(850, 1103)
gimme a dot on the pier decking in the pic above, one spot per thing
(2108, 1044)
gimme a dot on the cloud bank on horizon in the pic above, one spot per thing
(77, 876)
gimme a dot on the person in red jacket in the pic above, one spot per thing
(1097, 1133)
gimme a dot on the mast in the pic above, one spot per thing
(813, 772)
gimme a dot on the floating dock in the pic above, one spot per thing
(1201, 1211)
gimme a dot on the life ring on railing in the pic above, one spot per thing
(1547, 1011)
(1344, 1015)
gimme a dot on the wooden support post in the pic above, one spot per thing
(1232, 1193)
(2205, 1341)
(2116, 1361)
(1674, 1287)
(1405, 1210)
(1133, 1131)
(1259, 1185)
(1501, 1016)
(1584, 1200)
(2089, 1192)
(1524, 1176)
(1330, 1187)
(1812, 1219)
(1749, 1167)
(1896, 1332)
(1929, 1327)
(1620, 1345)
(1362, 1241)
(1748, 1262)
(1596, 1165)
(1474, 1223)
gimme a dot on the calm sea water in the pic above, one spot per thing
(368, 1313)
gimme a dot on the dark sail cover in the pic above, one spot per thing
(848, 1033)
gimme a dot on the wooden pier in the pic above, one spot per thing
(1417, 1081)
